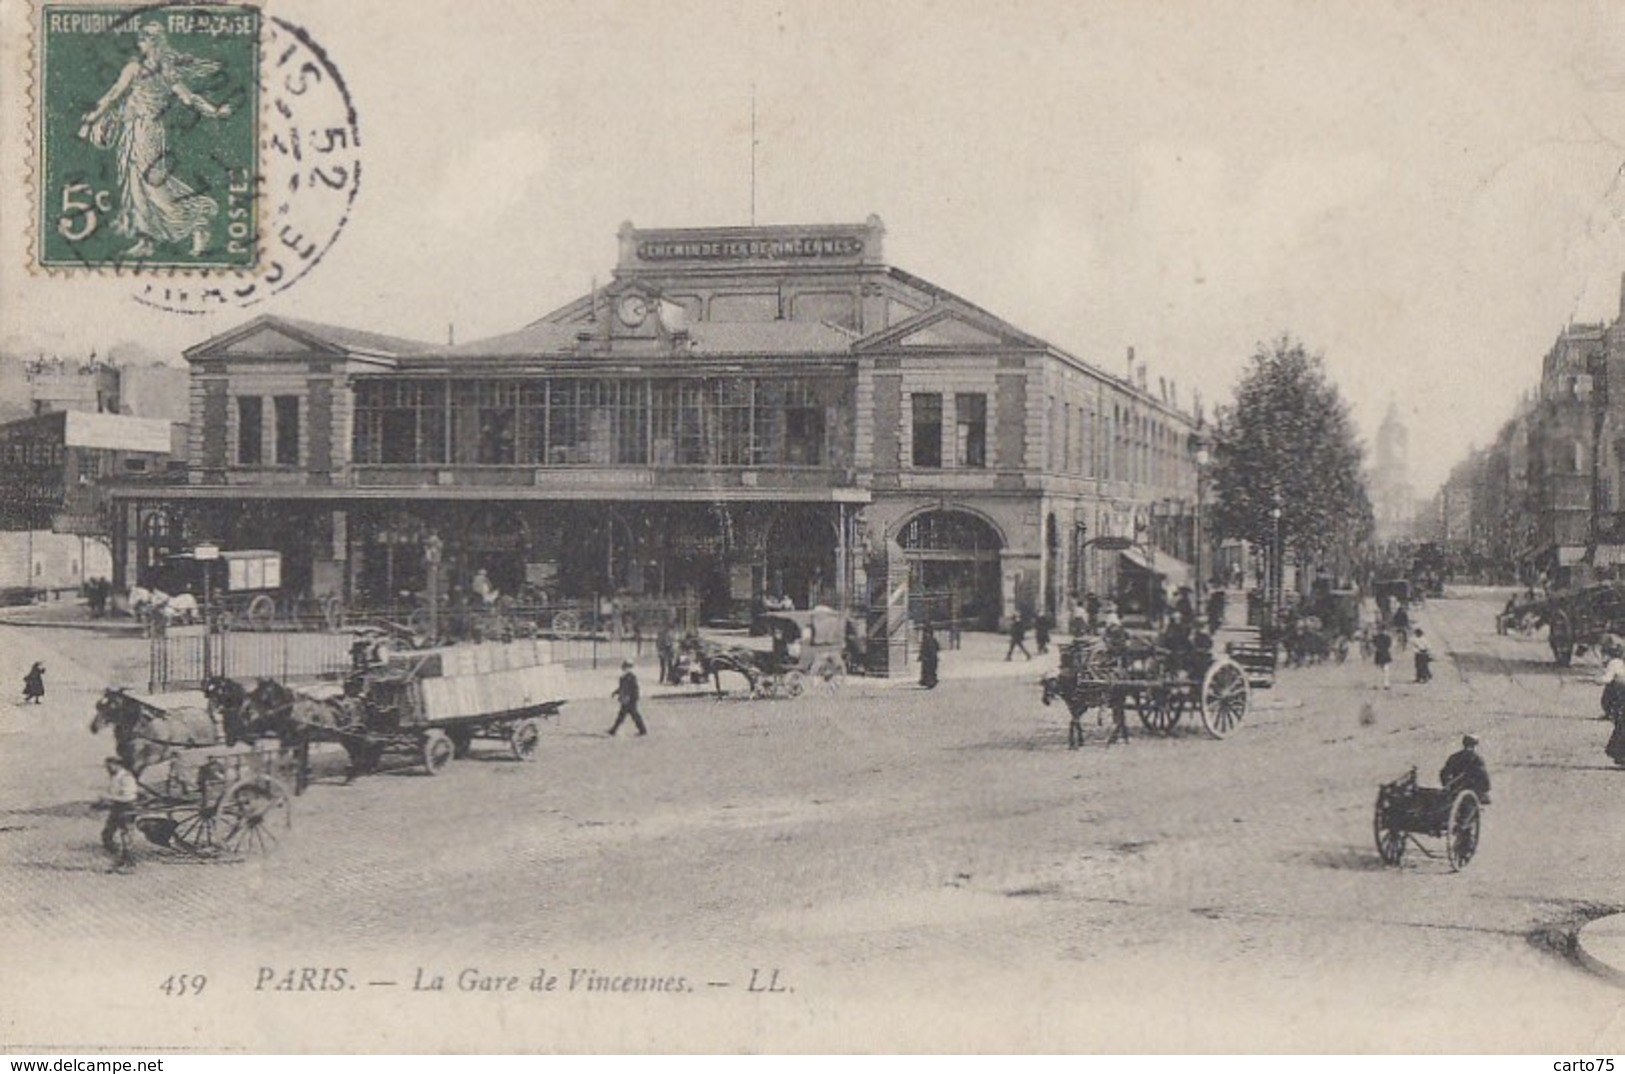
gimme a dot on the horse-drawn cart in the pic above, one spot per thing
(233, 800)
(432, 704)
(807, 648)
(1159, 681)
(1405, 811)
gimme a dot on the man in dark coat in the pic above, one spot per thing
(1215, 610)
(666, 648)
(1464, 770)
(929, 650)
(1018, 637)
(1041, 629)
(627, 693)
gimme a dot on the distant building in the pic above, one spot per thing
(55, 522)
(1393, 499)
(740, 413)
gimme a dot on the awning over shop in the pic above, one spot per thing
(1177, 571)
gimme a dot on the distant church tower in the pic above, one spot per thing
(1392, 498)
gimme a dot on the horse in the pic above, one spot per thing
(298, 720)
(144, 736)
(154, 606)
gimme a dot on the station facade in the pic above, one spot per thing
(739, 414)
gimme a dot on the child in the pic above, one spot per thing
(1424, 658)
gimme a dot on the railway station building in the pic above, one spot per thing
(738, 415)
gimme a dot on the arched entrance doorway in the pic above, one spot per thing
(161, 535)
(800, 556)
(954, 556)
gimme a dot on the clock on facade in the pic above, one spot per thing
(633, 309)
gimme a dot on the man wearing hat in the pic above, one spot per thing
(122, 794)
(1464, 770)
(627, 693)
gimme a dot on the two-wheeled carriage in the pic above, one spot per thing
(808, 649)
(1159, 681)
(1406, 811)
(232, 804)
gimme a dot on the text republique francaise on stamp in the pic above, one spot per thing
(148, 136)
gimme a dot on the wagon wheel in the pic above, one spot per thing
(1390, 839)
(1160, 709)
(260, 611)
(832, 674)
(1461, 836)
(524, 739)
(253, 813)
(1224, 697)
(1560, 635)
(197, 829)
(438, 751)
(795, 683)
(566, 622)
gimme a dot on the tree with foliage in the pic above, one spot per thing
(1288, 441)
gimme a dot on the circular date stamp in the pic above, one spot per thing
(210, 152)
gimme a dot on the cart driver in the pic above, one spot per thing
(119, 801)
(1465, 771)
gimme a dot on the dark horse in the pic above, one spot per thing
(298, 719)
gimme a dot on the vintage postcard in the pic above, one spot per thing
(723, 526)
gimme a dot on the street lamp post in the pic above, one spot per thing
(1277, 575)
(1202, 460)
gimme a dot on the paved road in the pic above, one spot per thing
(924, 871)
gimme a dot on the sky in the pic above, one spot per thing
(1426, 193)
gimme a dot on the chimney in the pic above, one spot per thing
(1131, 363)
(1140, 376)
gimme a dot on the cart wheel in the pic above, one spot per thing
(196, 830)
(1461, 837)
(260, 611)
(1560, 635)
(253, 813)
(437, 751)
(795, 684)
(1224, 697)
(1390, 840)
(524, 740)
(1160, 709)
(462, 741)
(833, 675)
(566, 622)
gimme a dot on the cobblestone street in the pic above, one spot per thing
(813, 870)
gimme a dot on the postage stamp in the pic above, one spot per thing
(147, 136)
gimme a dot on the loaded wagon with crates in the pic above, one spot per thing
(435, 703)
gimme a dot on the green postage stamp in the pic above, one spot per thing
(148, 135)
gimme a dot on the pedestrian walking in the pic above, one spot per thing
(666, 648)
(1041, 629)
(1018, 637)
(1091, 610)
(119, 801)
(34, 684)
(1215, 610)
(1382, 652)
(1402, 624)
(1423, 657)
(1612, 681)
(929, 652)
(627, 693)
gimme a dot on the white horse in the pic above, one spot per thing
(154, 605)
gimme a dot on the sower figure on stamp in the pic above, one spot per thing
(627, 693)
(154, 205)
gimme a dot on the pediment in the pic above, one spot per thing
(950, 328)
(269, 343)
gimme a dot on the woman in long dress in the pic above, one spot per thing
(1612, 680)
(154, 205)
